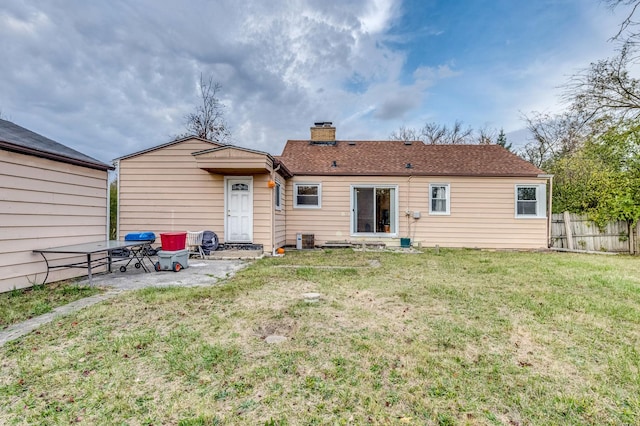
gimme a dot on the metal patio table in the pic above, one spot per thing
(92, 251)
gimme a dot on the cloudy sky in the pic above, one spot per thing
(112, 77)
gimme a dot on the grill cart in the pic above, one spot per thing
(140, 253)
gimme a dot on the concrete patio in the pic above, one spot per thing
(201, 272)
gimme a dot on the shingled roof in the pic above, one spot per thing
(18, 139)
(398, 158)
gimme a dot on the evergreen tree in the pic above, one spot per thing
(502, 140)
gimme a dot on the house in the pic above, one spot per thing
(195, 184)
(339, 191)
(50, 195)
(448, 195)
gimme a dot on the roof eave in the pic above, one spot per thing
(164, 145)
(283, 170)
(8, 146)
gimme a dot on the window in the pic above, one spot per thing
(374, 210)
(530, 201)
(278, 196)
(239, 187)
(307, 195)
(439, 198)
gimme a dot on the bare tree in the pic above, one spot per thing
(486, 136)
(626, 32)
(208, 120)
(441, 134)
(405, 134)
(553, 136)
(606, 88)
(435, 134)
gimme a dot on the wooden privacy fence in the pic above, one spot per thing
(576, 232)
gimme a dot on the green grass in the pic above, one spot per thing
(458, 337)
(19, 305)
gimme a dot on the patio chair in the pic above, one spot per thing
(194, 242)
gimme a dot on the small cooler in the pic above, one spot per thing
(141, 236)
(172, 260)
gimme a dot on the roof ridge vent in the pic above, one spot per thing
(352, 143)
(408, 142)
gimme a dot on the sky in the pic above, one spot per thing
(112, 77)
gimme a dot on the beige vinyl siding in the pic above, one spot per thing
(46, 203)
(233, 159)
(330, 222)
(482, 213)
(164, 191)
(262, 211)
(280, 216)
(483, 216)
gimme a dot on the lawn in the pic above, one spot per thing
(19, 305)
(455, 337)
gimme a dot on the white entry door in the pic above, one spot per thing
(239, 224)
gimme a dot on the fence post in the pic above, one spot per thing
(567, 228)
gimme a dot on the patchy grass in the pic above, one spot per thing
(19, 305)
(458, 337)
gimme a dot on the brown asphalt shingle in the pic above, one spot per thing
(390, 158)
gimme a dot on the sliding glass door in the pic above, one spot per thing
(374, 209)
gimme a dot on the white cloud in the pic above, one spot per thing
(377, 15)
(112, 78)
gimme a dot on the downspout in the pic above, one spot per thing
(108, 224)
(118, 203)
(408, 210)
(273, 207)
(549, 207)
(550, 214)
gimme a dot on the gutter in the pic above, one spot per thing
(51, 156)
(413, 173)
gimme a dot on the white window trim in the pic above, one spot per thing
(304, 206)
(541, 201)
(447, 212)
(278, 196)
(374, 234)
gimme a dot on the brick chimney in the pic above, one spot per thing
(323, 131)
